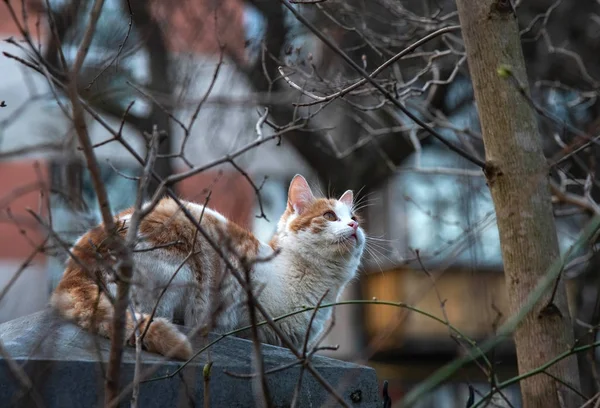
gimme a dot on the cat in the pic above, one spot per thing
(317, 248)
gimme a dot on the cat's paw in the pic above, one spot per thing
(164, 338)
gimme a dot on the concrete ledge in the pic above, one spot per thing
(67, 365)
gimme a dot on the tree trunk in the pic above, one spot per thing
(517, 172)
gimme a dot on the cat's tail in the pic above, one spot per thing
(78, 298)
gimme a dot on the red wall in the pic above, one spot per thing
(231, 194)
(20, 189)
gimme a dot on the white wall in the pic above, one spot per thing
(32, 116)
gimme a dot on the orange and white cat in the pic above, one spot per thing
(317, 248)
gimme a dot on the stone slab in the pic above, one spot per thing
(66, 366)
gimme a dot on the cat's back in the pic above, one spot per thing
(168, 223)
(168, 230)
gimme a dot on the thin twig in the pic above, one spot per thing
(121, 46)
(265, 395)
(461, 152)
(137, 370)
(312, 308)
(125, 270)
(383, 66)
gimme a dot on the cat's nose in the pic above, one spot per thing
(353, 224)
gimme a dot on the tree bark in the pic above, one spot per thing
(517, 175)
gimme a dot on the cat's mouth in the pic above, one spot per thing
(350, 238)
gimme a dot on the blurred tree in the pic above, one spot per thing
(365, 167)
(148, 38)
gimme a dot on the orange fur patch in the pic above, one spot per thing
(78, 296)
(312, 217)
(315, 209)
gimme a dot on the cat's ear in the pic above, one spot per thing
(299, 195)
(347, 198)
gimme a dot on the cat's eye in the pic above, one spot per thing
(354, 218)
(330, 216)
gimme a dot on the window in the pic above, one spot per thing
(447, 215)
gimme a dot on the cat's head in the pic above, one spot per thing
(321, 226)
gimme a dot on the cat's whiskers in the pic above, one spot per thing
(375, 258)
(378, 244)
(379, 239)
(320, 190)
(343, 243)
(363, 201)
(360, 206)
(360, 197)
(376, 250)
(379, 250)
